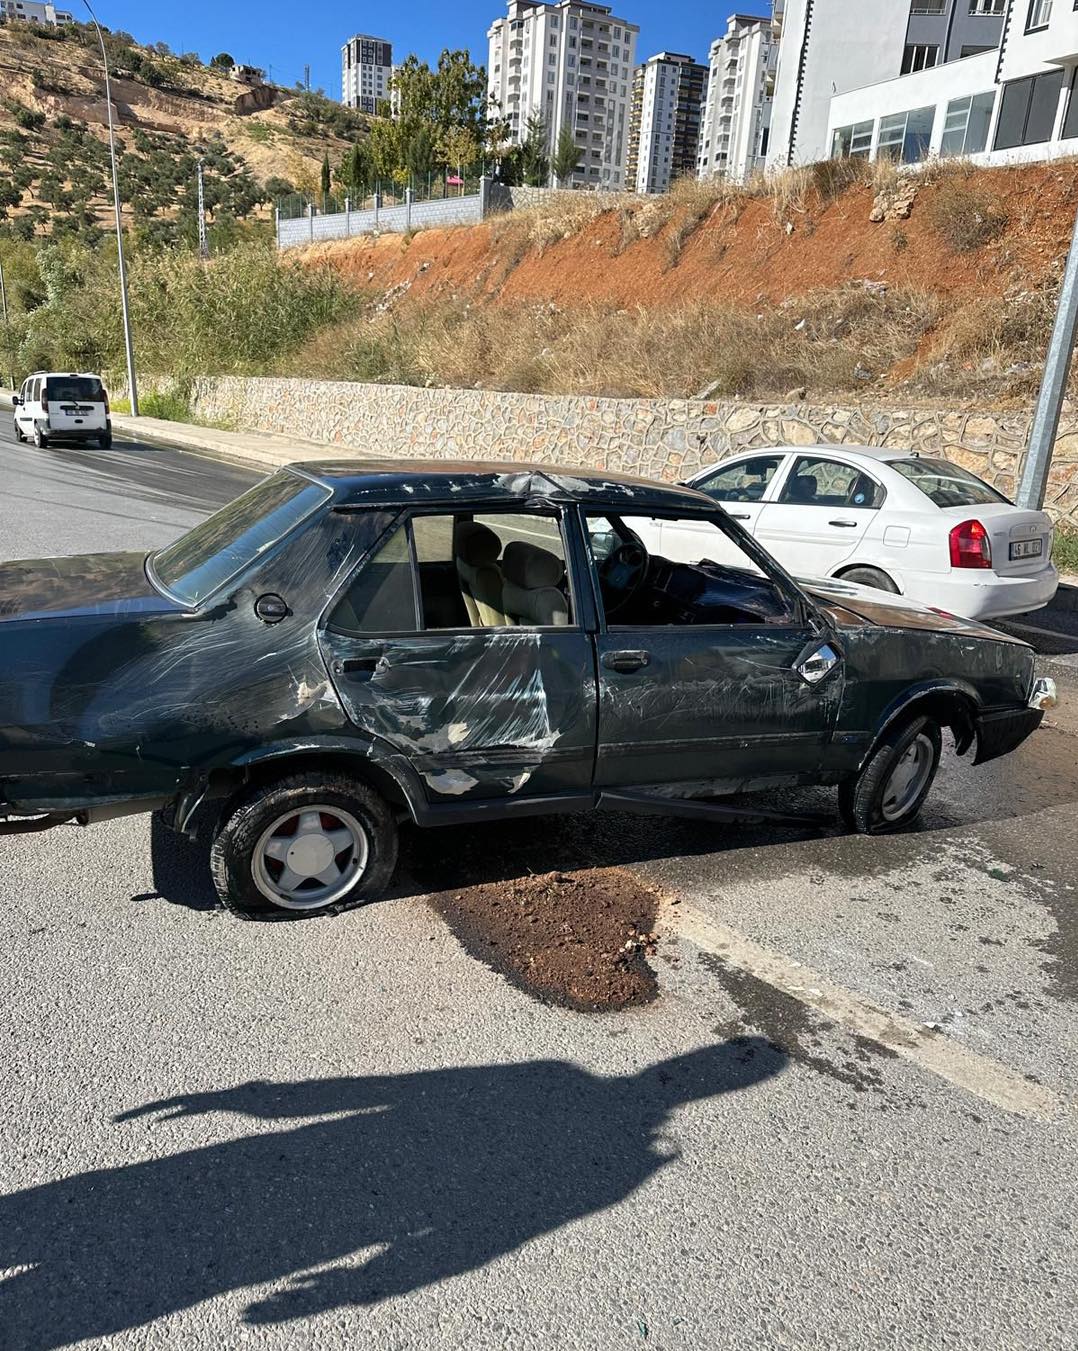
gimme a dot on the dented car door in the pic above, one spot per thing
(480, 703)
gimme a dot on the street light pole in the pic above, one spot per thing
(132, 385)
(7, 322)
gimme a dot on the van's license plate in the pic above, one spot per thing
(1027, 548)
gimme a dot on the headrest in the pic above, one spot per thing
(803, 487)
(475, 545)
(531, 567)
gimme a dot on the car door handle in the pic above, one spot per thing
(625, 661)
(351, 665)
(740, 516)
(846, 525)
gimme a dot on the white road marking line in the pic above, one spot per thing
(929, 1049)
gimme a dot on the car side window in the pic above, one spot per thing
(744, 481)
(815, 481)
(487, 571)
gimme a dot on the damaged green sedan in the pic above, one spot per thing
(352, 644)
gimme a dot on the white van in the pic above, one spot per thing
(62, 406)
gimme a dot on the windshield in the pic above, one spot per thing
(74, 388)
(204, 559)
(946, 484)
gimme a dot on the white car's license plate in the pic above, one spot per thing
(1027, 548)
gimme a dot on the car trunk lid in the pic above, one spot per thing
(1021, 540)
(85, 584)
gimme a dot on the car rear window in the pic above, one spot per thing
(946, 484)
(74, 389)
(226, 544)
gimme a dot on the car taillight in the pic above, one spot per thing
(45, 406)
(970, 546)
(106, 398)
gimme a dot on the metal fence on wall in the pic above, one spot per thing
(389, 209)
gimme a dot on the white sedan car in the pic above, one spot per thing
(889, 519)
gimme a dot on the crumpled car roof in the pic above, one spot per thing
(361, 483)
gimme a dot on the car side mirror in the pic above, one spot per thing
(16, 402)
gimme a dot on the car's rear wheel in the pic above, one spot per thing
(891, 788)
(40, 439)
(105, 442)
(870, 577)
(308, 844)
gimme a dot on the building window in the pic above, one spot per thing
(1028, 111)
(987, 8)
(974, 51)
(852, 142)
(920, 56)
(965, 130)
(1070, 122)
(1040, 11)
(906, 136)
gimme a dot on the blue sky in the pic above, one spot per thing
(285, 36)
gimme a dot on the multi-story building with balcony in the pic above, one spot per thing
(736, 121)
(366, 68)
(569, 63)
(664, 123)
(28, 11)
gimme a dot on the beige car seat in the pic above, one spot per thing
(531, 589)
(475, 551)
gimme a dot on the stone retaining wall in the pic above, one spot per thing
(661, 438)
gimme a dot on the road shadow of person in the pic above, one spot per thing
(440, 1171)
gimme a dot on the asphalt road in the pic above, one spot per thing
(849, 1120)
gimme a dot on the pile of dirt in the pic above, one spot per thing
(578, 939)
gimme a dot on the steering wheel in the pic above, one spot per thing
(621, 575)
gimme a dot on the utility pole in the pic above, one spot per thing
(132, 386)
(203, 246)
(7, 322)
(307, 78)
(1057, 365)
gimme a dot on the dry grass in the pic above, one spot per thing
(834, 340)
(963, 217)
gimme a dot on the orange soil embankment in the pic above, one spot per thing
(742, 254)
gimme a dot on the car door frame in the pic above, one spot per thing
(819, 631)
(449, 805)
(785, 456)
(778, 485)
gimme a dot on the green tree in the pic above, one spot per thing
(222, 61)
(325, 179)
(566, 156)
(534, 159)
(420, 154)
(355, 173)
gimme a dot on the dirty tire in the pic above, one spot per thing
(40, 439)
(870, 577)
(18, 431)
(861, 800)
(247, 817)
(105, 442)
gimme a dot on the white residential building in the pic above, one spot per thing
(30, 12)
(737, 114)
(825, 48)
(1014, 103)
(664, 125)
(571, 64)
(366, 68)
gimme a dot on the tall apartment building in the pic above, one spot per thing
(366, 67)
(28, 11)
(570, 63)
(664, 124)
(737, 113)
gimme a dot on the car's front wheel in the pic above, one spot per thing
(891, 788)
(303, 845)
(18, 430)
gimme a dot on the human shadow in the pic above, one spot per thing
(438, 1172)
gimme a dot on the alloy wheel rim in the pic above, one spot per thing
(309, 857)
(907, 779)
